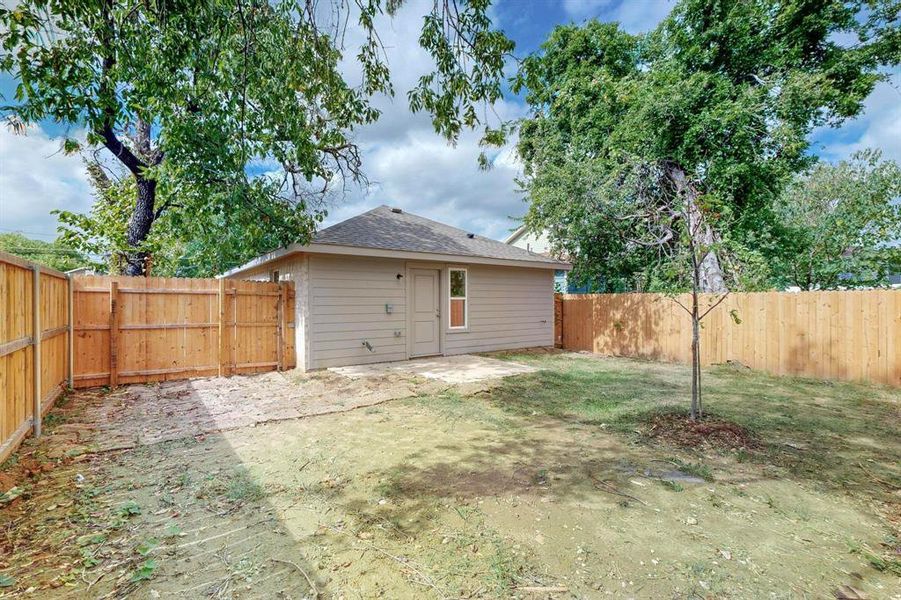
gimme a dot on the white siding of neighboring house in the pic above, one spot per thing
(341, 301)
(542, 245)
(538, 243)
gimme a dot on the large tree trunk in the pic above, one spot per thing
(139, 226)
(136, 159)
(711, 278)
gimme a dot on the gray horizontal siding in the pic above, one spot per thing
(508, 308)
(347, 306)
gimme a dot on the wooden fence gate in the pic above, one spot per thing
(136, 329)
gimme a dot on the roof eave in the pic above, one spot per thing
(343, 250)
(262, 259)
(515, 235)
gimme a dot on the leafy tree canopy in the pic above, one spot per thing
(841, 225)
(723, 95)
(56, 255)
(188, 95)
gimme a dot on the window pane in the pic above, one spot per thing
(457, 284)
(458, 313)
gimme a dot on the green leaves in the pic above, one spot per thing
(839, 224)
(728, 91)
(238, 111)
(59, 255)
(144, 571)
(469, 61)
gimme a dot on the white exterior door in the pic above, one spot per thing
(426, 312)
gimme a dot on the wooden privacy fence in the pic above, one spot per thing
(35, 357)
(96, 330)
(849, 335)
(135, 329)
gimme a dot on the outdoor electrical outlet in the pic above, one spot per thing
(389, 308)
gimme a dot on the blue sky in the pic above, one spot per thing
(406, 163)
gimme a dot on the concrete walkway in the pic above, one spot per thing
(455, 370)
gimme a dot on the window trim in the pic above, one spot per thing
(464, 298)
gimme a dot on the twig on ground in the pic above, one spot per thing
(302, 572)
(556, 589)
(422, 579)
(609, 488)
(876, 479)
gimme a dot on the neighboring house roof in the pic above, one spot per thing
(517, 233)
(392, 233)
(537, 243)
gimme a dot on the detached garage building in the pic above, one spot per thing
(388, 285)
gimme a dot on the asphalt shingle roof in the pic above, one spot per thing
(388, 229)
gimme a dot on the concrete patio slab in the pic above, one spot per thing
(465, 368)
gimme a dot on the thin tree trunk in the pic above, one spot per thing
(695, 340)
(698, 379)
(139, 226)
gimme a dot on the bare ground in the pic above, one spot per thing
(443, 492)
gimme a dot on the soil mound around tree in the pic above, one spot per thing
(680, 430)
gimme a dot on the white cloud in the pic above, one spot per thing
(410, 166)
(635, 16)
(426, 176)
(879, 125)
(35, 178)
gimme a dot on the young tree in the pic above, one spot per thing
(841, 224)
(659, 215)
(187, 94)
(656, 158)
(723, 93)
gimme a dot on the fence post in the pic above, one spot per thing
(71, 334)
(558, 320)
(36, 346)
(280, 329)
(222, 327)
(233, 341)
(113, 334)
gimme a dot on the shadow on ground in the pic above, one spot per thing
(190, 489)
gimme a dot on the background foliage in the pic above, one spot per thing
(726, 91)
(841, 225)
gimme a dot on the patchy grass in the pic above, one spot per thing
(453, 408)
(696, 469)
(842, 435)
(235, 486)
(549, 485)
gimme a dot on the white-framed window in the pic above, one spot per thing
(458, 305)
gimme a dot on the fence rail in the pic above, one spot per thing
(137, 329)
(35, 352)
(846, 335)
(99, 330)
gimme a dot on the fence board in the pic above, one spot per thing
(848, 335)
(23, 345)
(172, 328)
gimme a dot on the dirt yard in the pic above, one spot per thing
(556, 483)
